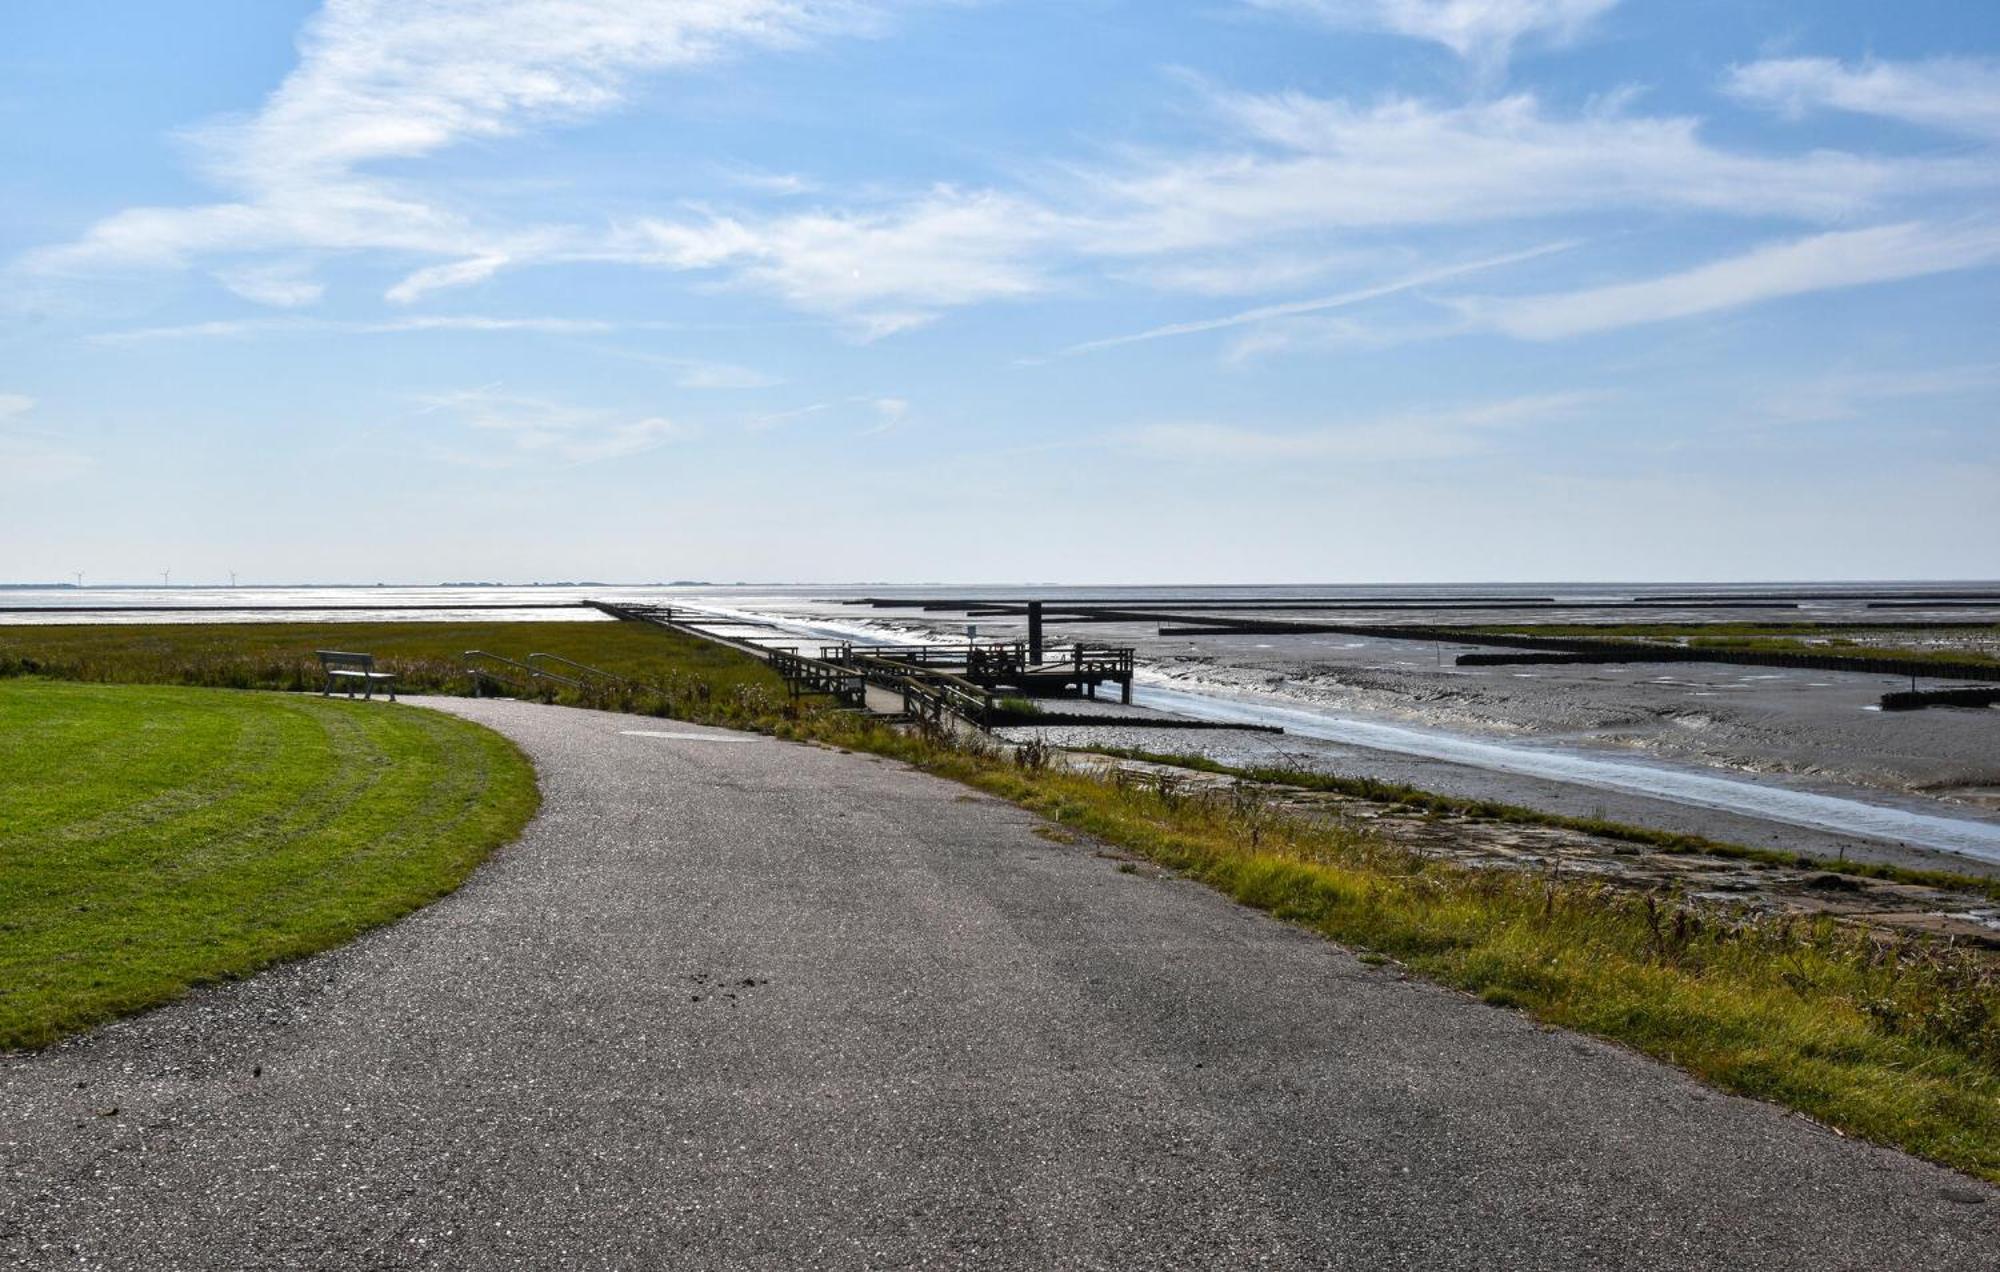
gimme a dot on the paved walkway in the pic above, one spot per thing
(738, 1003)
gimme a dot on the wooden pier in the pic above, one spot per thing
(983, 685)
(1020, 670)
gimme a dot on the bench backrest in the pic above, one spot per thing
(340, 658)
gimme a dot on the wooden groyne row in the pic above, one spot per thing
(1583, 649)
(1918, 699)
(1086, 609)
(1091, 608)
(284, 609)
(1588, 648)
(1614, 652)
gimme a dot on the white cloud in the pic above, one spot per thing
(1298, 169)
(1419, 435)
(281, 284)
(1306, 164)
(475, 269)
(1295, 182)
(1960, 95)
(1843, 396)
(1248, 273)
(1821, 262)
(1297, 308)
(884, 413)
(878, 272)
(1483, 32)
(30, 455)
(238, 328)
(890, 413)
(1322, 332)
(764, 423)
(382, 80)
(695, 374)
(777, 183)
(510, 431)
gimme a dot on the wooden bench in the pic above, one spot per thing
(353, 669)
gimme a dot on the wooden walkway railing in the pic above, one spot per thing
(812, 675)
(934, 681)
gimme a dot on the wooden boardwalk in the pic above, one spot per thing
(971, 682)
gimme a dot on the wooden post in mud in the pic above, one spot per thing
(1034, 633)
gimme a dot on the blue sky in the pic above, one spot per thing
(1052, 290)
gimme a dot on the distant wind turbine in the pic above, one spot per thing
(79, 577)
(164, 574)
(232, 578)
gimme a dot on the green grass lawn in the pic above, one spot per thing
(152, 839)
(682, 677)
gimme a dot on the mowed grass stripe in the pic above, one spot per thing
(152, 839)
(398, 849)
(151, 786)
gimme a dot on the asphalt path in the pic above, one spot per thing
(738, 1003)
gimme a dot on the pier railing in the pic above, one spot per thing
(997, 661)
(813, 675)
(487, 669)
(933, 680)
(930, 698)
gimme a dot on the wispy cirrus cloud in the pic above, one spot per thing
(240, 328)
(1301, 163)
(1291, 168)
(890, 413)
(696, 373)
(281, 284)
(1321, 304)
(1953, 94)
(1288, 189)
(1856, 395)
(882, 414)
(876, 271)
(398, 80)
(1448, 433)
(1483, 32)
(508, 431)
(1820, 262)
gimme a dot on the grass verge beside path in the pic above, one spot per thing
(1670, 841)
(1895, 1040)
(153, 839)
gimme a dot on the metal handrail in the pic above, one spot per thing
(586, 668)
(534, 673)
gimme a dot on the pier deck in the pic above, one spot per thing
(924, 682)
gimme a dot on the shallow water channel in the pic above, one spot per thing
(1966, 837)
